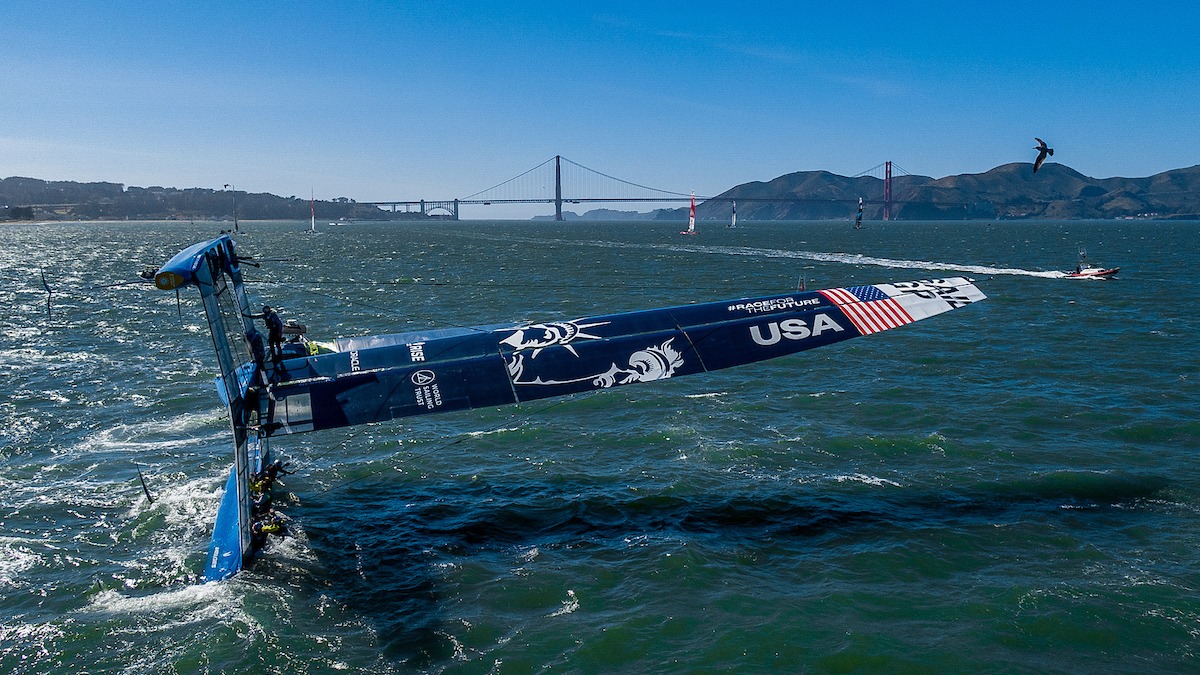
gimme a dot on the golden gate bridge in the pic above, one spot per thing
(559, 181)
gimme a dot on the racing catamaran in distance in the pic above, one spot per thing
(312, 386)
(691, 217)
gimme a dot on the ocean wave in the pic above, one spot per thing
(169, 433)
(490, 432)
(874, 481)
(17, 555)
(209, 601)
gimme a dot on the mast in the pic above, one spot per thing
(233, 188)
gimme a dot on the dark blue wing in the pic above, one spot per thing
(387, 377)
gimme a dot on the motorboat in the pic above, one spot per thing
(1086, 271)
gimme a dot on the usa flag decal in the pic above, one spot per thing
(868, 308)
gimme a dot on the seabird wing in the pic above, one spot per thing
(1037, 163)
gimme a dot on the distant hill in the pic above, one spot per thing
(1008, 191)
(32, 198)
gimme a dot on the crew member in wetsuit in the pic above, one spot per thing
(261, 504)
(262, 481)
(257, 351)
(274, 330)
(271, 523)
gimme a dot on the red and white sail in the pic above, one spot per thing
(691, 217)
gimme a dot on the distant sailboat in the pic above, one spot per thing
(235, 222)
(858, 219)
(312, 205)
(733, 220)
(691, 217)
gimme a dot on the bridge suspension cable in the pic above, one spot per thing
(561, 179)
(877, 171)
(625, 182)
(508, 182)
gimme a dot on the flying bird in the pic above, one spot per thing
(1043, 150)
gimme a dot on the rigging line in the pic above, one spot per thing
(511, 179)
(94, 287)
(450, 444)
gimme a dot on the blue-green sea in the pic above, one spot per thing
(1008, 487)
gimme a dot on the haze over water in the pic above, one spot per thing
(1009, 486)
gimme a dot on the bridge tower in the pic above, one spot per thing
(558, 187)
(887, 190)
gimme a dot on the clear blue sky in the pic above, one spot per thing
(398, 100)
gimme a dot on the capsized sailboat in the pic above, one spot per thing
(691, 217)
(317, 386)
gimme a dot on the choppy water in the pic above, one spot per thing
(1011, 486)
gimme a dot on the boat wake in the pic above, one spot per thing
(843, 258)
(859, 259)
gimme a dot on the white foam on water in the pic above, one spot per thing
(173, 608)
(172, 602)
(529, 555)
(171, 433)
(859, 259)
(20, 333)
(865, 479)
(28, 358)
(15, 638)
(489, 432)
(568, 606)
(182, 504)
(843, 258)
(17, 555)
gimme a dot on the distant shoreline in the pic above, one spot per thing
(1008, 192)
